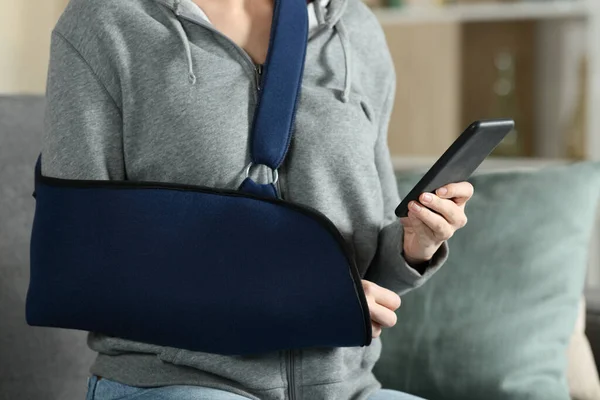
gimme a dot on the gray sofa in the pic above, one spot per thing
(35, 363)
(51, 364)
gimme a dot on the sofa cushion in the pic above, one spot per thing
(495, 321)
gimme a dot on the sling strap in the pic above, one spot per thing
(277, 99)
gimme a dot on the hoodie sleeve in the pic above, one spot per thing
(389, 268)
(83, 125)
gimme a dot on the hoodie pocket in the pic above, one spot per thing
(331, 365)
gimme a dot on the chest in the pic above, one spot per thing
(200, 133)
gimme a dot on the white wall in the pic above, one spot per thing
(25, 27)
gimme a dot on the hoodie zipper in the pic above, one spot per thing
(291, 375)
(257, 70)
(289, 354)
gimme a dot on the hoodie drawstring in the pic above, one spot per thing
(345, 41)
(337, 24)
(184, 40)
(319, 12)
(339, 27)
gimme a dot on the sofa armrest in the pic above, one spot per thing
(592, 328)
(592, 332)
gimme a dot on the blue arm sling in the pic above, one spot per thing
(198, 268)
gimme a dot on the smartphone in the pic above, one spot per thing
(461, 159)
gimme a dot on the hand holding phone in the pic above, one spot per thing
(433, 219)
(434, 209)
(461, 159)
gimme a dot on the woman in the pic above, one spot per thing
(164, 90)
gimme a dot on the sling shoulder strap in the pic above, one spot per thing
(277, 100)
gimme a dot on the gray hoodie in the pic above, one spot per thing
(148, 90)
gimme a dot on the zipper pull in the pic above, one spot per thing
(259, 70)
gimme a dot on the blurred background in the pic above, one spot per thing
(456, 60)
(469, 59)
(25, 42)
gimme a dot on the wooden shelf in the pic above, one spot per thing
(538, 10)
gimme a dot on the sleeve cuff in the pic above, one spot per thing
(390, 269)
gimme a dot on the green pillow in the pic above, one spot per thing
(495, 321)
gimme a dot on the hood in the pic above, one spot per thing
(323, 15)
(327, 13)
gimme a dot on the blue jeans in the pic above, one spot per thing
(105, 389)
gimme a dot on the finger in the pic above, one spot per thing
(452, 212)
(382, 315)
(389, 300)
(376, 330)
(405, 221)
(412, 222)
(417, 225)
(440, 228)
(382, 296)
(460, 192)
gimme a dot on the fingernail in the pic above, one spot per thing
(415, 206)
(442, 191)
(426, 197)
